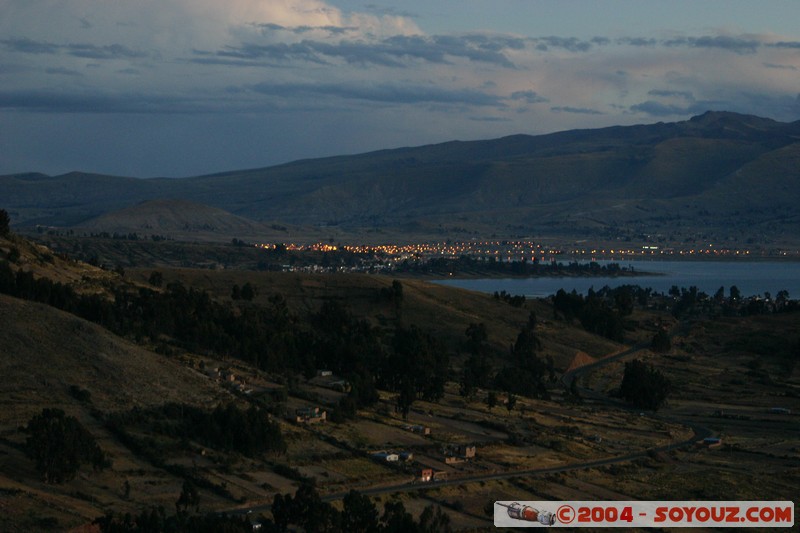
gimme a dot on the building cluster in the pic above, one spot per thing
(419, 430)
(229, 378)
(387, 257)
(310, 415)
(392, 457)
(458, 454)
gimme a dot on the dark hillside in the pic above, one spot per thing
(633, 176)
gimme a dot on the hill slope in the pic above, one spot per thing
(39, 366)
(572, 181)
(180, 219)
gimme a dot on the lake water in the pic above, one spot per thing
(752, 278)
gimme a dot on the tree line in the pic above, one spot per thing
(229, 428)
(303, 511)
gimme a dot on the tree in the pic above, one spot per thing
(359, 514)
(248, 292)
(511, 401)
(623, 299)
(397, 292)
(5, 223)
(477, 368)
(189, 497)
(156, 278)
(396, 519)
(644, 386)
(661, 342)
(720, 294)
(491, 399)
(434, 520)
(735, 293)
(60, 444)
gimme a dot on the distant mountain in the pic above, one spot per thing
(734, 176)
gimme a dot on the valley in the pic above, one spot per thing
(481, 436)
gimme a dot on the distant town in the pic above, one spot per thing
(482, 254)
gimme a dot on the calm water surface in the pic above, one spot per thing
(752, 278)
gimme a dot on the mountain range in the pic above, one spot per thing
(719, 175)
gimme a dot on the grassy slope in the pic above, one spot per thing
(44, 351)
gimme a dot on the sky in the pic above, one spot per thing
(176, 88)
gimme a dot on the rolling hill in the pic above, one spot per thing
(720, 172)
(181, 219)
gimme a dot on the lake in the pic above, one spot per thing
(752, 278)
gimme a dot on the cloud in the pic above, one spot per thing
(572, 44)
(29, 46)
(489, 119)
(529, 97)
(83, 50)
(785, 44)
(381, 93)
(64, 72)
(391, 11)
(686, 95)
(739, 45)
(637, 41)
(780, 67)
(96, 102)
(301, 30)
(576, 110)
(657, 109)
(395, 51)
(112, 51)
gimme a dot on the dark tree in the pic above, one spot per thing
(405, 398)
(5, 223)
(511, 401)
(359, 514)
(397, 292)
(644, 386)
(306, 510)
(720, 294)
(477, 369)
(623, 300)
(661, 342)
(60, 444)
(491, 399)
(418, 366)
(396, 519)
(156, 278)
(735, 293)
(189, 497)
(248, 292)
(155, 520)
(434, 520)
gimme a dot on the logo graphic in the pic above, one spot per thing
(529, 514)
